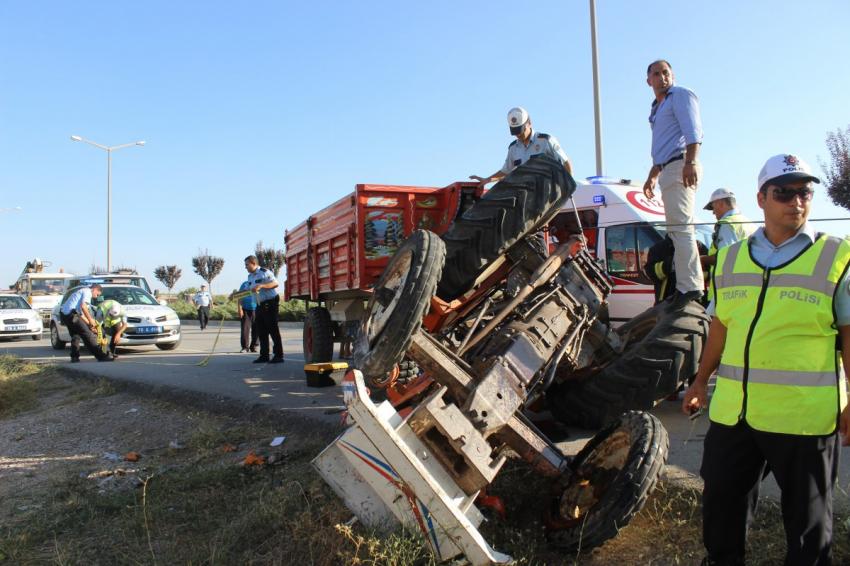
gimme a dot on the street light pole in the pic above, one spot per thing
(108, 150)
(597, 107)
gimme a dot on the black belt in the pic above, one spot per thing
(671, 160)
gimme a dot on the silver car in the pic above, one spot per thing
(148, 321)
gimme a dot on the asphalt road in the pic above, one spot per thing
(231, 374)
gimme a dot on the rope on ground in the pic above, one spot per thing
(203, 363)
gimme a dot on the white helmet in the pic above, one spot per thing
(517, 117)
(114, 311)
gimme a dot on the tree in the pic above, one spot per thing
(837, 172)
(207, 266)
(168, 275)
(270, 258)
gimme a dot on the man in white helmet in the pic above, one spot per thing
(113, 323)
(527, 144)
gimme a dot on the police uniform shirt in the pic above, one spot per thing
(519, 153)
(768, 255)
(203, 299)
(261, 276)
(76, 300)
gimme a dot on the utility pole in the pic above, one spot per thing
(597, 108)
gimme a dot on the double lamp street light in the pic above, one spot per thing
(108, 150)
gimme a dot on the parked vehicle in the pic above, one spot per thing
(40, 288)
(148, 322)
(18, 319)
(122, 277)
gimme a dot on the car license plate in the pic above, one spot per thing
(148, 329)
(15, 327)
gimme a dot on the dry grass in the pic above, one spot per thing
(18, 385)
(198, 505)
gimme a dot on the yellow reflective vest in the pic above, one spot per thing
(780, 369)
(742, 229)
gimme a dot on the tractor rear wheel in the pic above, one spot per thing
(521, 203)
(663, 348)
(318, 339)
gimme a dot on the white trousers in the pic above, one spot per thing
(679, 210)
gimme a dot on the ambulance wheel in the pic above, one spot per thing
(318, 336)
(399, 301)
(610, 480)
(663, 348)
(519, 204)
(55, 342)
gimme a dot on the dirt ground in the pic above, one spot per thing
(70, 496)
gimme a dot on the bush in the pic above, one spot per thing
(290, 311)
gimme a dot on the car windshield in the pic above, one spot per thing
(127, 296)
(7, 303)
(47, 286)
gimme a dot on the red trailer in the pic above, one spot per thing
(336, 255)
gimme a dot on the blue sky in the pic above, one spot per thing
(258, 114)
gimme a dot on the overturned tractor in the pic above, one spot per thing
(495, 324)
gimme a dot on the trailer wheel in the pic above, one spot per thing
(399, 301)
(318, 336)
(663, 348)
(612, 476)
(521, 203)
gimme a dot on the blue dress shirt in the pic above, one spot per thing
(675, 123)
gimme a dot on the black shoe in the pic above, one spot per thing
(276, 360)
(262, 360)
(75, 360)
(107, 359)
(252, 349)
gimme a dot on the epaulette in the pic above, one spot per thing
(513, 143)
(544, 136)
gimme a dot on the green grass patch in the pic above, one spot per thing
(18, 385)
(289, 311)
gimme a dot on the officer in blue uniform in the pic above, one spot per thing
(264, 284)
(75, 315)
(527, 144)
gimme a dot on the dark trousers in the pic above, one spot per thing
(267, 326)
(203, 316)
(80, 330)
(248, 334)
(733, 464)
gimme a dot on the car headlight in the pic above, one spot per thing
(172, 316)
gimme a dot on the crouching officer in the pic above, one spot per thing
(780, 329)
(74, 314)
(113, 323)
(264, 283)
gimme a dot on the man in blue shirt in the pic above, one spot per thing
(676, 138)
(75, 315)
(247, 309)
(263, 282)
(203, 300)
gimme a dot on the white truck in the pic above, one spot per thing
(41, 289)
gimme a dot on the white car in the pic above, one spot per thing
(18, 319)
(148, 321)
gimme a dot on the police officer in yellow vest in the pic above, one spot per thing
(731, 226)
(779, 332)
(113, 323)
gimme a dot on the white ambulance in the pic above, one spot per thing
(620, 225)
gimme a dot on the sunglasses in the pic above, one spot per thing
(787, 194)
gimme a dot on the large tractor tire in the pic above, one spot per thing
(612, 476)
(521, 203)
(663, 348)
(317, 337)
(399, 301)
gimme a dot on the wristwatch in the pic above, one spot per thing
(691, 162)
